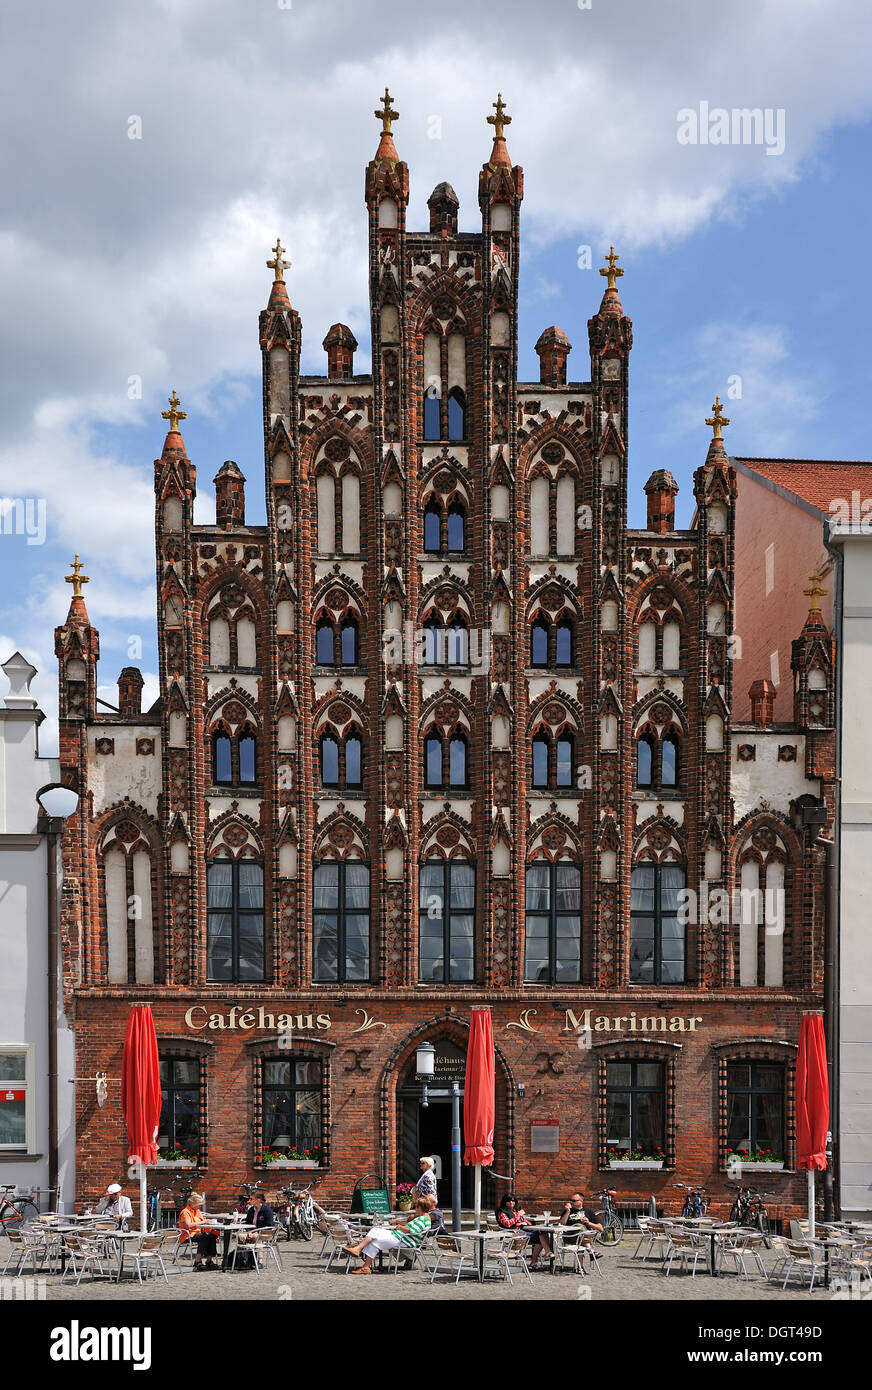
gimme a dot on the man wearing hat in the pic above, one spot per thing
(114, 1203)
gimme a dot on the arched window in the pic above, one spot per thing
(432, 526)
(350, 642)
(433, 762)
(432, 654)
(456, 527)
(669, 761)
(457, 641)
(353, 761)
(645, 761)
(457, 763)
(540, 761)
(247, 758)
(456, 414)
(329, 761)
(222, 760)
(539, 643)
(431, 416)
(324, 643)
(564, 642)
(563, 768)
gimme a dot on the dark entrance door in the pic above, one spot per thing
(427, 1130)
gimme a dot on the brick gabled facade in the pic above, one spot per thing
(446, 665)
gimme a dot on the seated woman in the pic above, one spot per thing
(508, 1215)
(381, 1238)
(192, 1226)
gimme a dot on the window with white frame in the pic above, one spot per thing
(16, 1100)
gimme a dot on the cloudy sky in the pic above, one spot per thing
(746, 271)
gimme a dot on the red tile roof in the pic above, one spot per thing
(817, 481)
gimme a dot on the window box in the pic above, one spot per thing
(288, 1163)
(632, 1165)
(761, 1167)
(173, 1163)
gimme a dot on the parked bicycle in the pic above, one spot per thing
(696, 1201)
(243, 1201)
(612, 1225)
(749, 1209)
(15, 1211)
(298, 1212)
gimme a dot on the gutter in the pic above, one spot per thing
(832, 970)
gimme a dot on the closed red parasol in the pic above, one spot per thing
(812, 1102)
(140, 1092)
(478, 1098)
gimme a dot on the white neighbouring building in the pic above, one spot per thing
(24, 956)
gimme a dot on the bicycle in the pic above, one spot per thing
(302, 1213)
(14, 1214)
(696, 1201)
(612, 1225)
(749, 1210)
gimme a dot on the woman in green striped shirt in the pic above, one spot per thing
(381, 1238)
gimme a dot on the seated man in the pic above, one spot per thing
(576, 1219)
(114, 1203)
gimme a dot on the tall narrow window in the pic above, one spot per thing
(457, 642)
(433, 643)
(341, 921)
(234, 920)
(179, 1126)
(446, 921)
(353, 761)
(553, 924)
(222, 763)
(247, 748)
(564, 642)
(539, 643)
(433, 762)
(456, 525)
(329, 761)
(324, 643)
(457, 762)
(432, 527)
(350, 643)
(644, 762)
(456, 414)
(564, 762)
(540, 761)
(657, 937)
(669, 761)
(431, 416)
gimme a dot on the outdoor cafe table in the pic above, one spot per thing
(706, 1226)
(480, 1237)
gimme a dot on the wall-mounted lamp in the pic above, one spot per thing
(522, 1089)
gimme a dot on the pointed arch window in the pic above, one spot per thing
(337, 644)
(444, 527)
(341, 760)
(553, 760)
(539, 643)
(247, 758)
(432, 526)
(324, 643)
(552, 643)
(658, 760)
(645, 761)
(234, 760)
(669, 761)
(565, 634)
(456, 528)
(350, 643)
(222, 759)
(432, 428)
(446, 762)
(456, 414)
(329, 761)
(445, 646)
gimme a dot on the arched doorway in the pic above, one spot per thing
(410, 1129)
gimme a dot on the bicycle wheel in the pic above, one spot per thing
(304, 1224)
(613, 1229)
(26, 1211)
(762, 1224)
(736, 1212)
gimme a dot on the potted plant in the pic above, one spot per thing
(175, 1157)
(639, 1158)
(761, 1159)
(405, 1195)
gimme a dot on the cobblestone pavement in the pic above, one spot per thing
(303, 1280)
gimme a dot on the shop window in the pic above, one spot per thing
(180, 1099)
(755, 1110)
(635, 1109)
(292, 1106)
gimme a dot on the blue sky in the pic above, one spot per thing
(146, 257)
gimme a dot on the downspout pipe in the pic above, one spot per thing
(832, 995)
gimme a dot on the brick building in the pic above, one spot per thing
(444, 732)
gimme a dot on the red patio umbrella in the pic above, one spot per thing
(812, 1103)
(140, 1094)
(478, 1098)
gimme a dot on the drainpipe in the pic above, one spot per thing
(50, 827)
(832, 995)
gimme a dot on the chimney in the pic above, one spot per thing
(660, 490)
(130, 692)
(762, 695)
(340, 345)
(229, 496)
(553, 348)
(443, 204)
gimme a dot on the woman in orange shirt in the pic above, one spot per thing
(192, 1227)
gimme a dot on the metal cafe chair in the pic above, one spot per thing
(265, 1243)
(510, 1252)
(686, 1247)
(82, 1251)
(451, 1249)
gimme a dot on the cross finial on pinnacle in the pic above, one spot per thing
(387, 114)
(500, 120)
(77, 579)
(279, 264)
(611, 270)
(174, 415)
(718, 419)
(816, 592)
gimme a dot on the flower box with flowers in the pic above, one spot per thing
(763, 1160)
(175, 1158)
(290, 1158)
(405, 1195)
(630, 1160)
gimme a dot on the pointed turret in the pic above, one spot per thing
(174, 441)
(500, 180)
(386, 175)
(77, 647)
(812, 661)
